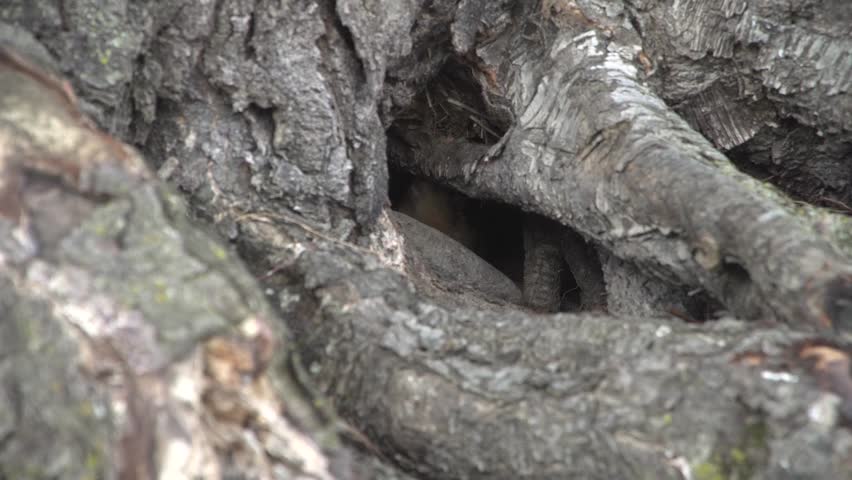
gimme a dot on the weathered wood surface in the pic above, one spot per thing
(134, 345)
(283, 150)
(594, 148)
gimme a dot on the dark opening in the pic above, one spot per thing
(571, 300)
(454, 105)
(491, 230)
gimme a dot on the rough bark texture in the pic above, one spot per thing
(277, 121)
(639, 181)
(134, 345)
(429, 254)
(584, 264)
(542, 266)
(753, 74)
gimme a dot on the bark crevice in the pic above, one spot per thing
(709, 331)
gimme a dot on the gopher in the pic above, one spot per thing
(439, 208)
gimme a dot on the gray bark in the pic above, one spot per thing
(134, 345)
(639, 181)
(454, 267)
(542, 266)
(270, 117)
(584, 264)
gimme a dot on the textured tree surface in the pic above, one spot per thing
(134, 345)
(671, 177)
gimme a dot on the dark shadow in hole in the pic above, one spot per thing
(494, 230)
(737, 283)
(804, 163)
(452, 105)
(571, 294)
(701, 307)
(737, 276)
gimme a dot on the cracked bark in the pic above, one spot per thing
(542, 268)
(643, 185)
(117, 363)
(283, 151)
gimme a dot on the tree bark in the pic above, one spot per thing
(640, 182)
(271, 118)
(133, 344)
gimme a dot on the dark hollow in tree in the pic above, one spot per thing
(621, 121)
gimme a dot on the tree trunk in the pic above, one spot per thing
(709, 327)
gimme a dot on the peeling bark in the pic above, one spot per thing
(641, 183)
(276, 120)
(134, 345)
